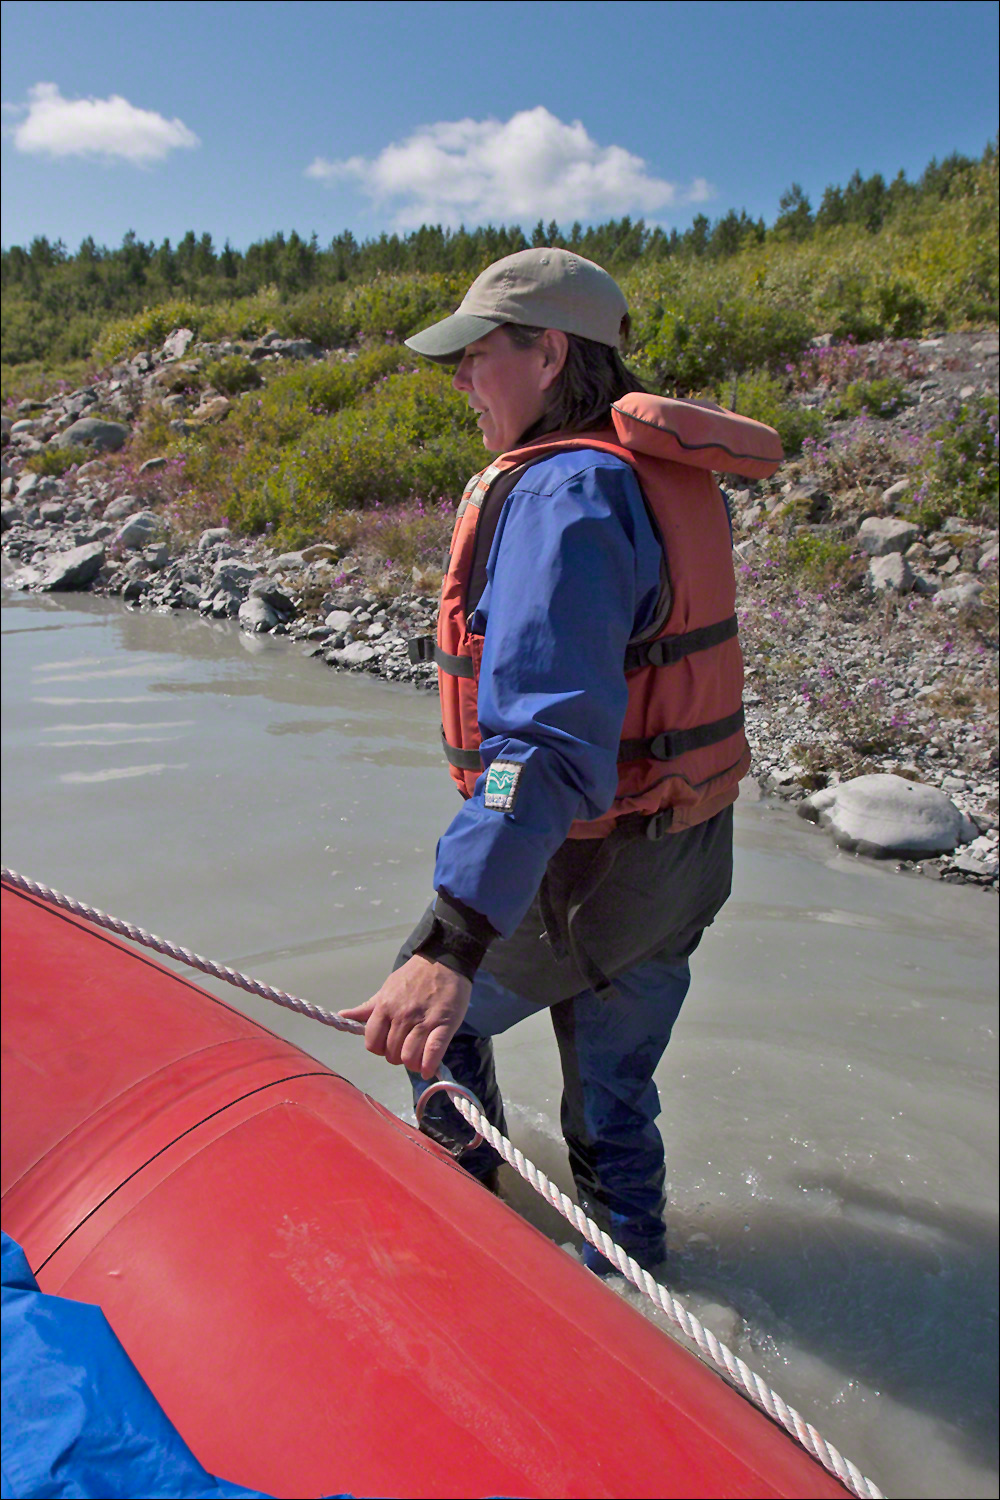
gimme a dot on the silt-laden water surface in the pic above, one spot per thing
(829, 1093)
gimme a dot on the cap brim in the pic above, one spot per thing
(446, 341)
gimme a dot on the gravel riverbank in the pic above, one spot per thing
(871, 642)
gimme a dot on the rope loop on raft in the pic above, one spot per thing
(740, 1375)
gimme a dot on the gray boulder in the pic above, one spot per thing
(233, 575)
(988, 557)
(75, 569)
(27, 485)
(138, 531)
(93, 432)
(256, 614)
(969, 592)
(354, 655)
(891, 573)
(9, 515)
(339, 619)
(266, 589)
(175, 345)
(888, 817)
(125, 505)
(213, 536)
(880, 535)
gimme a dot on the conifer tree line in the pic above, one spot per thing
(55, 301)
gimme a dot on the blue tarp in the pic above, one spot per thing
(78, 1418)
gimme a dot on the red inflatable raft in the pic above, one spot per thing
(319, 1298)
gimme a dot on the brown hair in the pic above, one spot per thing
(593, 376)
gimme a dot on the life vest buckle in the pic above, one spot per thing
(658, 826)
(420, 648)
(661, 748)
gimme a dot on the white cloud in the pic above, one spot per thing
(530, 166)
(110, 128)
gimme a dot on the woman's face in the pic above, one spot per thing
(506, 385)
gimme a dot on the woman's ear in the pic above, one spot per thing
(554, 347)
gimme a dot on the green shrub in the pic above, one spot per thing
(233, 375)
(764, 398)
(55, 461)
(247, 318)
(409, 438)
(36, 381)
(957, 475)
(400, 305)
(319, 315)
(821, 562)
(701, 340)
(880, 398)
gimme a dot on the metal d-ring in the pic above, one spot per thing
(444, 1083)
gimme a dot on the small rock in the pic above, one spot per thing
(275, 598)
(51, 512)
(895, 492)
(256, 614)
(125, 505)
(175, 345)
(988, 557)
(339, 619)
(213, 536)
(320, 552)
(138, 531)
(151, 465)
(157, 556)
(354, 655)
(891, 572)
(75, 569)
(960, 594)
(881, 535)
(93, 432)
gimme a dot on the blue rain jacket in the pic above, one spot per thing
(573, 574)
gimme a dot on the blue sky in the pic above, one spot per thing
(242, 118)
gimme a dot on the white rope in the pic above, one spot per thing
(735, 1369)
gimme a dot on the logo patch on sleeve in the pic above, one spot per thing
(501, 784)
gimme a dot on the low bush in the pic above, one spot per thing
(881, 397)
(701, 341)
(398, 305)
(822, 562)
(55, 461)
(34, 381)
(247, 318)
(957, 472)
(233, 375)
(764, 398)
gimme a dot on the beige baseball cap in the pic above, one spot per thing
(541, 288)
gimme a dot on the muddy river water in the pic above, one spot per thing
(829, 1096)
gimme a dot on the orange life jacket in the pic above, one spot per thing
(683, 748)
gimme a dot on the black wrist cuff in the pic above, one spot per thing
(442, 943)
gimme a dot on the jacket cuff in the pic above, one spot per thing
(454, 935)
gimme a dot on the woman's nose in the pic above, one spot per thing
(460, 379)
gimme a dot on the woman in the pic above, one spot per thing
(590, 681)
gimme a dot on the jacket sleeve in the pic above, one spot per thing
(574, 571)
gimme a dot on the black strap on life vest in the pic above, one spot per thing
(662, 653)
(674, 742)
(424, 648)
(462, 760)
(673, 648)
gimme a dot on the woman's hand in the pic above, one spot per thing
(415, 1014)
